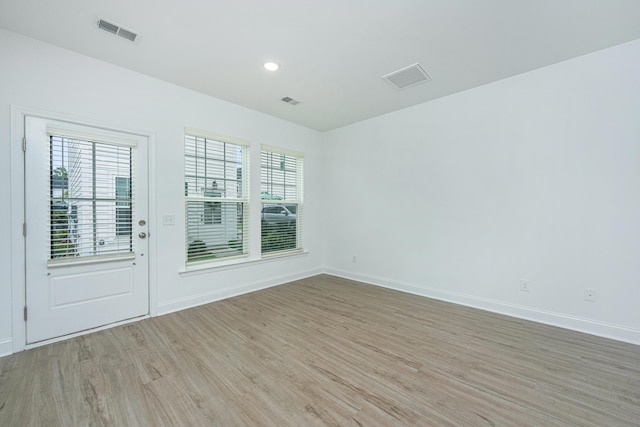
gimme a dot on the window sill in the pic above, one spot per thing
(223, 265)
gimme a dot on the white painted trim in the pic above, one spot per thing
(6, 347)
(18, 115)
(220, 294)
(17, 239)
(152, 210)
(82, 121)
(207, 267)
(601, 329)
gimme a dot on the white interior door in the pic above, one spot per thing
(86, 203)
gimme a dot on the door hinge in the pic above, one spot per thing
(24, 228)
(25, 313)
(24, 144)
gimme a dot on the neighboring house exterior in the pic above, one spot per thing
(216, 223)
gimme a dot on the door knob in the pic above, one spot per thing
(142, 235)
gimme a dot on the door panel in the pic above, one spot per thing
(90, 286)
(86, 206)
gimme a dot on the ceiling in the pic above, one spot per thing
(332, 53)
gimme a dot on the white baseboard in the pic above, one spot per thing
(219, 294)
(602, 329)
(606, 330)
(6, 347)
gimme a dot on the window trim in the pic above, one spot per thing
(229, 263)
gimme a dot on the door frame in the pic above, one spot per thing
(18, 202)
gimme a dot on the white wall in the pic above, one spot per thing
(39, 76)
(535, 177)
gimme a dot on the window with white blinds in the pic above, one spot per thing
(90, 198)
(281, 189)
(216, 197)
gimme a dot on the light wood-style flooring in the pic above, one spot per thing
(325, 351)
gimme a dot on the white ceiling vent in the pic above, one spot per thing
(407, 76)
(290, 100)
(117, 30)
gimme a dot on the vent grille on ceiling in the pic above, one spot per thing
(407, 76)
(117, 30)
(290, 100)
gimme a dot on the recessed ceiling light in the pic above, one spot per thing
(271, 66)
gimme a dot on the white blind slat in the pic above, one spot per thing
(216, 197)
(93, 134)
(91, 205)
(281, 187)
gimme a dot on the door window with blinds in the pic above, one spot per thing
(216, 197)
(281, 176)
(90, 198)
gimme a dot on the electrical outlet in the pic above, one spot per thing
(354, 259)
(168, 220)
(525, 286)
(590, 295)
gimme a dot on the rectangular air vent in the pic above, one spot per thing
(407, 76)
(108, 26)
(126, 34)
(290, 100)
(117, 30)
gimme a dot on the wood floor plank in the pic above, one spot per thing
(325, 351)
